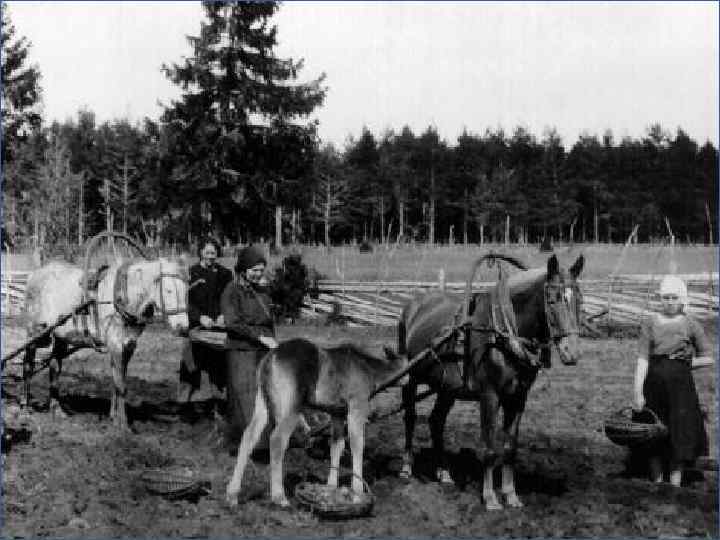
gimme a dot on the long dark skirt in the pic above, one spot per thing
(196, 360)
(241, 391)
(669, 390)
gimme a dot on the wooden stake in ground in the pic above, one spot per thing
(709, 223)
(672, 266)
(278, 226)
(618, 265)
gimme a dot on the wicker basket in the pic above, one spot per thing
(174, 482)
(212, 338)
(622, 429)
(334, 502)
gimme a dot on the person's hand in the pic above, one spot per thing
(206, 321)
(268, 341)
(220, 321)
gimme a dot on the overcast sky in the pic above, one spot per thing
(576, 66)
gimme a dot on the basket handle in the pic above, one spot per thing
(655, 416)
(622, 411)
(365, 484)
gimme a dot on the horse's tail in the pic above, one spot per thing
(473, 269)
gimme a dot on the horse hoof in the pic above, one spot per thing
(491, 503)
(405, 473)
(123, 430)
(57, 411)
(513, 501)
(281, 501)
(231, 498)
(443, 476)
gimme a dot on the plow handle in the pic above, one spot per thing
(412, 363)
(61, 320)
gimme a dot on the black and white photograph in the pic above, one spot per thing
(366, 269)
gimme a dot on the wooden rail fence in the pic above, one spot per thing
(379, 303)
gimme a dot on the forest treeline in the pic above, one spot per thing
(237, 156)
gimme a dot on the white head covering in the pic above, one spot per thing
(674, 285)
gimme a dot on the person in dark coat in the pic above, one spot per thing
(672, 344)
(245, 305)
(208, 279)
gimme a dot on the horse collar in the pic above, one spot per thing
(120, 294)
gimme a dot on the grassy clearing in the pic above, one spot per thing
(421, 263)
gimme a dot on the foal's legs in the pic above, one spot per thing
(250, 437)
(337, 445)
(279, 439)
(441, 409)
(408, 398)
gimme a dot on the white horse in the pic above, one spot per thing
(128, 293)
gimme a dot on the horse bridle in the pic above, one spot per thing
(163, 309)
(120, 295)
(558, 329)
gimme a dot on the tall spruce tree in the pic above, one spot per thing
(236, 139)
(21, 88)
(21, 119)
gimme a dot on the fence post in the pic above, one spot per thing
(615, 271)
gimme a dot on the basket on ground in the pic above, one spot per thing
(334, 502)
(625, 429)
(174, 482)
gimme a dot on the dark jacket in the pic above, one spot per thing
(247, 315)
(207, 287)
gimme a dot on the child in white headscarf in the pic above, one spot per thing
(672, 344)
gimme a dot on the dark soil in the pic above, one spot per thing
(78, 477)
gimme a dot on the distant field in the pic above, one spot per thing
(421, 263)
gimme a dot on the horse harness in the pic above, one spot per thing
(121, 301)
(523, 354)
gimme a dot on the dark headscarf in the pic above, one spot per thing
(249, 257)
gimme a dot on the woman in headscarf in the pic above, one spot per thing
(245, 305)
(208, 279)
(672, 344)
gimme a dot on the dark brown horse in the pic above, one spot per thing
(535, 307)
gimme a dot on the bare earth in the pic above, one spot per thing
(77, 477)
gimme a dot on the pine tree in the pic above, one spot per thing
(234, 138)
(331, 192)
(21, 137)
(21, 88)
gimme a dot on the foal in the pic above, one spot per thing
(297, 375)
